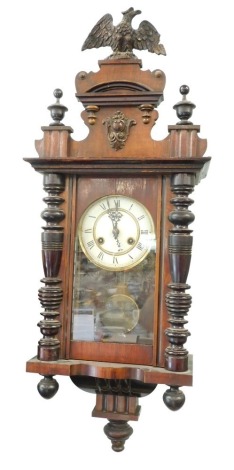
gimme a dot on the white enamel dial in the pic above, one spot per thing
(116, 232)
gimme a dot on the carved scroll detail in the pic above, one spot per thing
(118, 128)
(51, 294)
(180, 249)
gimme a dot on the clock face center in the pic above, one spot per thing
(111, 231)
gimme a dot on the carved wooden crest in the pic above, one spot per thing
(118, 127)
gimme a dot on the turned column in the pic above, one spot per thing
(51, 294)
(54, 145)
(178, 301)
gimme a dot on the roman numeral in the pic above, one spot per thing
(92, 216)
(90, 244)
(117, 203)
(101, 255)
(115, 260)
(141, 217)
(130, 256)
(144, 232)
(88, 230)
(130, 207)
(102, 205)
(140, 246)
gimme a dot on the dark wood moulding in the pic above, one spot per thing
(86, 167)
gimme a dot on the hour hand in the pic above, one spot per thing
(115, 230)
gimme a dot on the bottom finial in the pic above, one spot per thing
(48, 387)
(118, 432)
(174, 398)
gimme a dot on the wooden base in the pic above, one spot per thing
(105, 370)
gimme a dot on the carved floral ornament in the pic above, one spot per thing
(118, 127)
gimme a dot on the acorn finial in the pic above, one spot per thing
(57, 110)
(184, 108)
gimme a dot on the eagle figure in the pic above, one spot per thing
(123, 38)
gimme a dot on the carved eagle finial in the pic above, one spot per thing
(123, 38)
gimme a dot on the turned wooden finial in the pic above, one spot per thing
(118, 432)
(57, 110)
(48, 387)
(184, 108)
(174, 398)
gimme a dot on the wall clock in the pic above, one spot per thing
(117, 242)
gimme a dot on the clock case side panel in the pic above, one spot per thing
(164, 274)
(66, 271)
(148, 192)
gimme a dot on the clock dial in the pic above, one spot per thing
(116, 232)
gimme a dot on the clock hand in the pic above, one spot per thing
(115, 217)
(116, 233)
(115, 230)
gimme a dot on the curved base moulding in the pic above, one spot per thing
(117, 399)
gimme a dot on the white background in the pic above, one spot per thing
(41, 50)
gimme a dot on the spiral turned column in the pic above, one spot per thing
(178, 301)
(51, 294)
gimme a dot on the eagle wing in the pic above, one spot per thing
(101, 35)
(147, 37)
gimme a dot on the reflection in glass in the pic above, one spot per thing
(113, 306)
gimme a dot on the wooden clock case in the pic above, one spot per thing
(118, 156)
